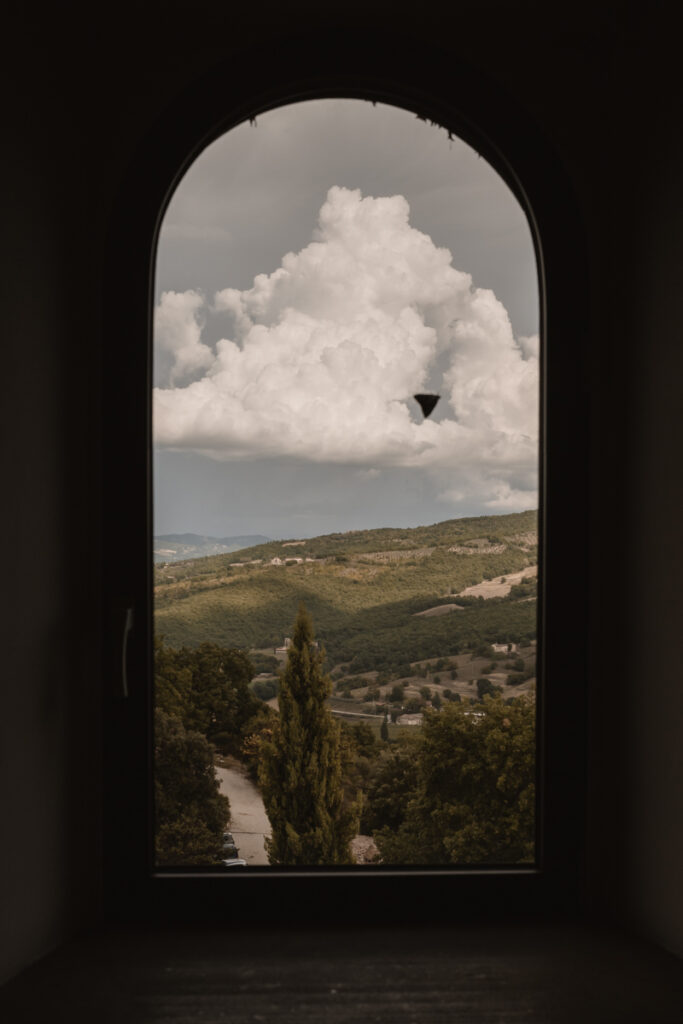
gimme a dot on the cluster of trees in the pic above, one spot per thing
(265, 689)
(462, 791)
(190, 813)
(207, 689)
(389, 642)
(202, 703)
(459, 791)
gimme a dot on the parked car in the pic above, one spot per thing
(229, 846)
(234, 862)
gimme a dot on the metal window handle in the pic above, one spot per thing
(127, 630)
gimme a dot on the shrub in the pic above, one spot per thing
(264, 689)
(397, 693)
(484, 687)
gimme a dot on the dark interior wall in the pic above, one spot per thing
(79, 99)
(49, 727)
(653, 479)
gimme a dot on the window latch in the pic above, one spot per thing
(127, 630)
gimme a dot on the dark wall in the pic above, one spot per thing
(652, 488)
(50, 722)
(80, 96)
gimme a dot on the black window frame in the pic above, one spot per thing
(460, 100)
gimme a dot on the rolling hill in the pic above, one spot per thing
(364, 590)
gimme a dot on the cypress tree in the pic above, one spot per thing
(301, 769)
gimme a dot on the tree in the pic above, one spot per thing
(207, 688)
(384, 730)
(190, 813)
(485, 686)
(359, 761)
(393, 786)
(472, 799)
(264, 689)
(301, 766)
(397, 693)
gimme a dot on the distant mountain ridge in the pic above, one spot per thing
(177, 547)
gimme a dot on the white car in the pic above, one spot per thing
(234, 862)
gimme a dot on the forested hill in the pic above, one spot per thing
(518, 527)
(365, 590)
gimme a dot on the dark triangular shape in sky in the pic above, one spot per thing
(426, 403)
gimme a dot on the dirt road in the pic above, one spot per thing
(248, 820)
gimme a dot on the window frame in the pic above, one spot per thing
(430, 86)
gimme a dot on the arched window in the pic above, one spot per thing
(474, 112)
(317, 269)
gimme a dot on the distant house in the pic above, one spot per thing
(415, 719)
(504, 648)
(288, 643)
(276, 561)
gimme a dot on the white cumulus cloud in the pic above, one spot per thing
(324, 355)
(178, 349)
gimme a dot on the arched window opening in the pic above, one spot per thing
(345, 571)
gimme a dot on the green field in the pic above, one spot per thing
(363, 590)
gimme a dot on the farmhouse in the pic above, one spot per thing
(415, 719)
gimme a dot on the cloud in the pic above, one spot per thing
(507, 499)
(529, 345)
(178, 348)
(325, 354)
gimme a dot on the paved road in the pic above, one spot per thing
(248, 820)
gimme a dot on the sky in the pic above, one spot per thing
(316, 269)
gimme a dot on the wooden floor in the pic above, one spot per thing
(475, 975)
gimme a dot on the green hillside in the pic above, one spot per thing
(363, 589)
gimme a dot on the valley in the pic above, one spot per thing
(407, 617)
